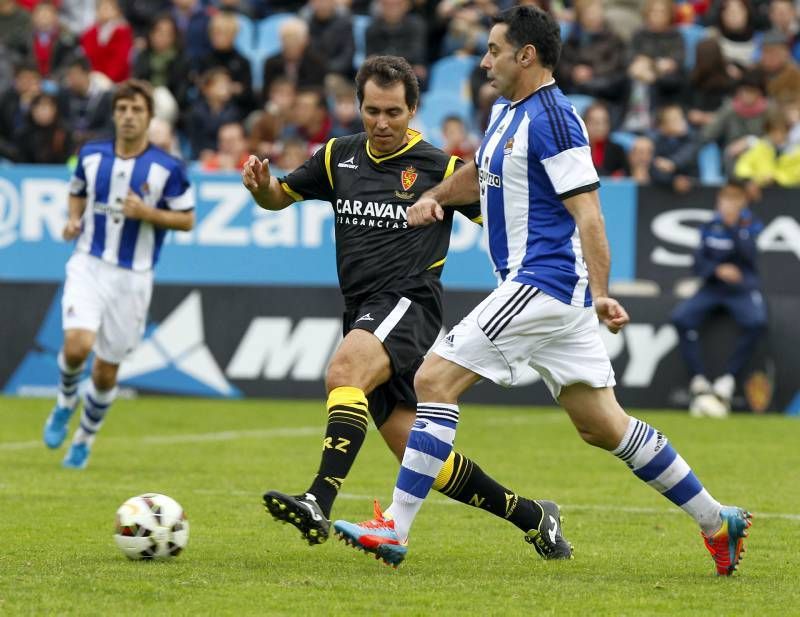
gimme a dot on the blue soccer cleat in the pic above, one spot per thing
(55, 429)
(77, 457)
(727, 544)
(377, 537)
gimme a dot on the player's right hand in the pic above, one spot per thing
(72, 229)
(255, 176)
(611, 313)
(425, 211)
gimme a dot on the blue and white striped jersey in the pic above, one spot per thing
(536, 153)
(104, 179)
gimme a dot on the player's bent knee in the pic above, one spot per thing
(427, 383)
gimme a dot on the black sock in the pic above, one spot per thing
(463, 480)
(347, 427)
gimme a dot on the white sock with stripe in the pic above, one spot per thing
(95, 406)
(69, 377)
(429, 445)
(653, 459)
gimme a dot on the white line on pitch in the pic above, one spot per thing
(299, 431)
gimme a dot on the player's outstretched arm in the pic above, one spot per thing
(265, 188)
(585, 209)
(459, 189)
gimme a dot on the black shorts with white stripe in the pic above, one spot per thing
(407, 322)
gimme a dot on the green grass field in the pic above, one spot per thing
(635, 554)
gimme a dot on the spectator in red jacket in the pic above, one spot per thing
(52, 45)
(108, 43)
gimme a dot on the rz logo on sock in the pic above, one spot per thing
(341, 444)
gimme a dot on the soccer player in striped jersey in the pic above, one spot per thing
(546, 236)
(125, 194)
(389, 275)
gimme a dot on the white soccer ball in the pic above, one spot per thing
(708, 406)
(151, 526)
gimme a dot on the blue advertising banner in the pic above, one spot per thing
(236, 242)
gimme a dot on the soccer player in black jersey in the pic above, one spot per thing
(389, 275)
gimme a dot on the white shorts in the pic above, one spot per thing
(107, 300)
(519, 325)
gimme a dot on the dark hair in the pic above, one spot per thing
(319, 93)
(753, 78)
(129, 89)
(386, 71)
(661, 112)
(77, 59)
(528, 25)
(26, 66)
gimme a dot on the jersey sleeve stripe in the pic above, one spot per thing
(552, 125)
(328, 151)
(294, 195)
(451, 166)
(560, 119)
(577, 191)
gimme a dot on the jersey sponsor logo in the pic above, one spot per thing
(349, 163)
(487, 178)
(113, 210)
(371, 214)
(408, 177)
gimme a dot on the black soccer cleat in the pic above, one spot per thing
(547, 538)
(302, 511)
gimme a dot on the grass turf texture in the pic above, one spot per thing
(635, 554)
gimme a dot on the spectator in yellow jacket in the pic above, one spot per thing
(771, 160)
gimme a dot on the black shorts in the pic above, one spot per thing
(407, 322)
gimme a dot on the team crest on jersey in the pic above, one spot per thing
(145, 188)
(508, 147)
(408, 177)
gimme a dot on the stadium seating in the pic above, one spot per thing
(435, 107)
(623, 138)
(580, 102)
(245, 38)
(268, 43)
(692, 35)
(360, 24)
(451, 75)
(709, 160)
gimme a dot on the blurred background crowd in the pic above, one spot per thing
(672, 92)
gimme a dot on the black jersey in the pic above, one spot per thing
(376, 250)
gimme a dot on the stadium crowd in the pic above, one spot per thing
(673, 93)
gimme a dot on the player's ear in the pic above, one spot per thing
(529, 54)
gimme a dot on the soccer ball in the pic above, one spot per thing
(151, 526)
(708, 406)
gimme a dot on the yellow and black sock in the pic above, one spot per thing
(347, 426)
(463, 480)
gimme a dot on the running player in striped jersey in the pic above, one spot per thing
(389, 274)
(124, 196)
(546, 236)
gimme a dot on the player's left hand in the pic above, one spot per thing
(611, 313)
(425, 211)
(133, 207)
